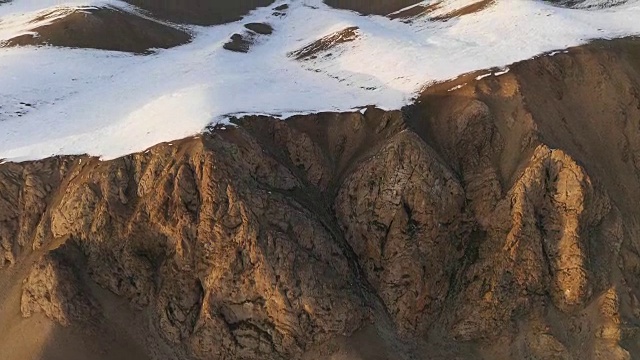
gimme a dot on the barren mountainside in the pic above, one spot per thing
(496, 218)
(110, 78)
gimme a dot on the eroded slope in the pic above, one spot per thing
(497, 219)
(100, 28)
(200, 12)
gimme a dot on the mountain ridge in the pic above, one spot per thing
(484, 222)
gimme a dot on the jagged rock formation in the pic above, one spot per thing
(495, 221)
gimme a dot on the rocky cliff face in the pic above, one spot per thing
(498, 220)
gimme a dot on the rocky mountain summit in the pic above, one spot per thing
(496, 218)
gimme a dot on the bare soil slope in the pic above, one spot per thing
(588, 3)
(200, 12)
(372, 7)
(106, 29)
(496, 221)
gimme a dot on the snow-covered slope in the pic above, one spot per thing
(588, 4)
(69, 101)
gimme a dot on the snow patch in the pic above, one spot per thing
(457, 87)
(500, 73)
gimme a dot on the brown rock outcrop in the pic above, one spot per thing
(497, 221)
